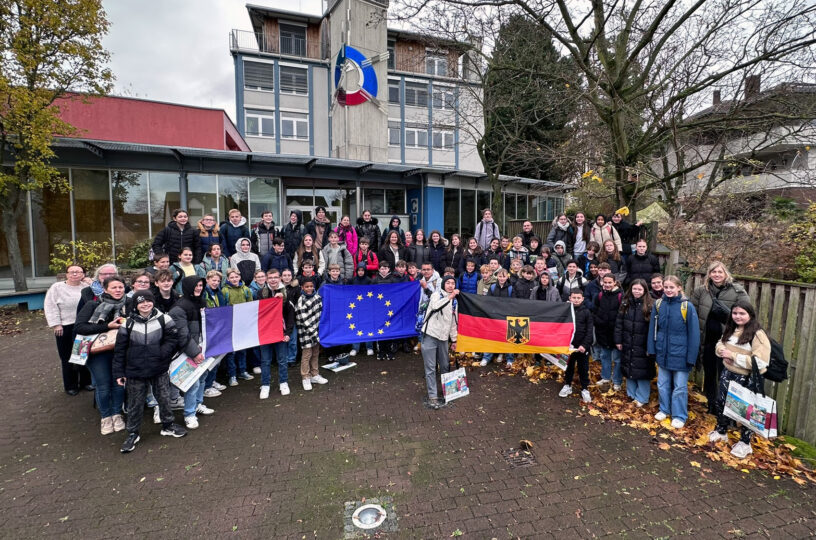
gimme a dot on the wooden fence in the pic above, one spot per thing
(787, 311)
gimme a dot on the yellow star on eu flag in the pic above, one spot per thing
(351, 326)
(370, 294)
(379, 296)
(370, 334)
(352, 306)
(387, 323)
(390, 313)
(359, 332)
(380, 331)
(359, 297)
(349, 316)
(388, 302)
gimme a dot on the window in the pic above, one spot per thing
(292, 39)
(394, 133)
(374, 200)
(451, 206)
(443, 98)
(129, 189)
(259, 123)
(416, 95)
(259, 76)
(509, 206)
(293, 80)
(392, 56)
(443, 138)
(202, 196)
(165, 196)
(483, 200)
(468, 215)
(393, 93)
(51, 225)
(264, 194)
(416, 137)
(232, 193)
(436, 64)
(395, 201)
(384, 201)
(294, 126)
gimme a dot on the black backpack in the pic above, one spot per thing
(777, 367)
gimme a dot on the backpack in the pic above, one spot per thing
(777, 366)
(620, 298)
(509, 290)
(683, 312)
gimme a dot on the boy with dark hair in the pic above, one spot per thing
(413, 271)
(469, 280)
(401, 270)
(263, 234)
(233, 230)
(307, 317)
(277, 257)
(581, 342)
(366, 255)
(161, 261)
(572, 279)
(605, 315)
(525, 283)
(307, 271)
(656, 286)
(593, 288)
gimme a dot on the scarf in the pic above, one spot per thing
(107, 307)
(97, 288)
(563, 227)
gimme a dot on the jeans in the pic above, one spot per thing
(292, 346)
(194, 396)
(137, 389)
(639, 389)
(582, 359)
(209, 378)
(723, 421)
(672, 388)
(232, 358)
(278, 352)
(608, 356)
(434, 351)
(368, 345)
(509, 358)
(109, 395)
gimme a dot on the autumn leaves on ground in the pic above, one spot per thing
(774, 456)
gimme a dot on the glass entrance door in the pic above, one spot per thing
(337, 202)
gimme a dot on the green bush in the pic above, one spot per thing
(139, 255)
(87, 254)
(802, 235)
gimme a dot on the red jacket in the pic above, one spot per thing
(372, 264)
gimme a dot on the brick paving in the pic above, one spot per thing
(283, 468)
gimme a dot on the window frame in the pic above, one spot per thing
(294, 91)
(417, 90)
(260, 114)
(288, 116)
(270, 66)
(438, 59)
(292, 25)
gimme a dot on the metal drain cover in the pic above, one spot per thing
(519, 458)
(369, 517)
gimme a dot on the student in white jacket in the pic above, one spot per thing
(438, 334)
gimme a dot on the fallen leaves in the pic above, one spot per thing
(694, 464)
(664, 446)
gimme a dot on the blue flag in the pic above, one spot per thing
(358, 313)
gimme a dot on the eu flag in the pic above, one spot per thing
(358, 313)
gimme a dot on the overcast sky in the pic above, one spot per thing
(178, 50)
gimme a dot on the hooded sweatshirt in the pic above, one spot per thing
(144, 346)
(186, 314)
(387, 232)
(246, 263)
(230, 234)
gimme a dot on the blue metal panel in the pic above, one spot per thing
(310, 81)
(433, 214)
(276, 74)
(331, 93)
(414, 196)
(402, 119)
(239, 94)
(456, 128)
(430, 122)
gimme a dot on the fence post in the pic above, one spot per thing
(672, 262)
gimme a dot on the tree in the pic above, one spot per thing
(649, 66)
(49, 49)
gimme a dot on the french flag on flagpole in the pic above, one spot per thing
(242, 326)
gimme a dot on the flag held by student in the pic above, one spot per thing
(242, 326)
(513, 325)
(358, 313)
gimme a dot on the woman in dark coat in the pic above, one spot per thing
(368, 227)
(293, 232)
(437, 250)
(178, 234)
(419, 252)
(641, 264)
(393, 250)
(631, 334)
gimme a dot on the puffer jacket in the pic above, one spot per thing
(230, 234)
(523, 288)
(501, 292)
(348, 237)
(566, 284)
(143, 348)
(441, 324)
(605, 313)
(641, 267)
(186, 314)
(341, 256)
(236, 295)
(207, 237)
(674, 341)
(207, 264)
(702, 299)
(468, 283)
(370, 230)
(632, 332)
(602, 234)
(171, 239)
(293, 234)
(557, 234)
(438, 255)
(584, 328)
(262, 237)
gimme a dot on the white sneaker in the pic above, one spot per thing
(284, 389)
(203, 409)
(307, 384)
(156, 415)
(416, 347)
(483, 363)
(191, 422)
(265, 392)
(585, 396)
(370, 352)
(317, 379)
(565, 391)
(716, 436)
(660, 416)
(256, 370)
(218, 386)
(616, 387)
(352, 352)
(637, 403)
(211, 392)
(602, 382)
(741, 450)
(233, 381)
(676, 423)
(499, 359)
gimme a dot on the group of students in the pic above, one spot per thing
(627, 315)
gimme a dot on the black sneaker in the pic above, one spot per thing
(174, 430)
(130, 443)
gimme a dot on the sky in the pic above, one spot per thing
(178, 50)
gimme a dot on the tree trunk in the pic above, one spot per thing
(12, 210)
(497, 201)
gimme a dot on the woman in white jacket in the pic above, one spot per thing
(438, 334)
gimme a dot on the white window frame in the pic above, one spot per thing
(259, 61)
(437, 57)
(444, 134)
(444, 92)
(287, 116)
(416, 133)
(415, 88)
(294, 93)
(255, 113)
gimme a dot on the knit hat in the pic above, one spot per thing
(144, 296)
(446, 279)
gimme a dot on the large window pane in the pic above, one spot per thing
(521, 207)
(451, 212)
(25, 247)
(299, 197)
(483, 198)
(395, 201)
(164, 198)
(130, 219)
(201, 197)
(91, 205)
(509, 206)
(374, 201)
(468, 212)
(232, 193)
(332, 200)
(264, 195)
(51, 220)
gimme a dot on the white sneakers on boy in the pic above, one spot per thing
(585, 396)
(483, 363)
(370, 352)
(676, 423)
(284, 389)
(307, 384)
(715, 436)
(637, 403)
(191, 422)
(203, 409)
(233, 381)
(352, 352)
(660, 416)
(212, 392)
(565, 391)
(317, 379)
(741, 450)
(264, 392)
(218, 386)
(602, 382)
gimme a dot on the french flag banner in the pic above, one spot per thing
(242, 326)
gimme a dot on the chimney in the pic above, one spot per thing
(717, 98)
(751, 86)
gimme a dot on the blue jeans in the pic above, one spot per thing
(238, 357)
(672, 389)
(368, 345)
(109, 395)
(291, 347)
(639, 389)
(194, 396)
(509, 358)
(608, 356)
(209, 377)
(275, 352)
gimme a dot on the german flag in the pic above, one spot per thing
(513, 325)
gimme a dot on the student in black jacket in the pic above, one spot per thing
(641, 264)
(386, 348)
(581, 341)
(631, 335)
(178, 234)
(605, 314)
(392, 250)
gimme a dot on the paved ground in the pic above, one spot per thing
(284, 467)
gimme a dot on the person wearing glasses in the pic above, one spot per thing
(142, 282)
(93, 292)
(60, 307)
(209, 233)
